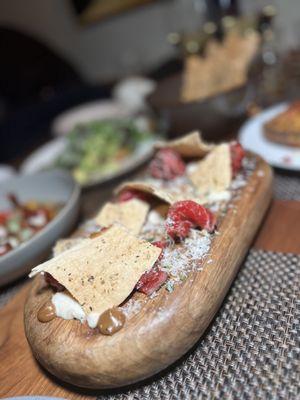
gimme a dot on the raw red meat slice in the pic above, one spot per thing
(53, 282)
(151, 281)
(129, 194)
(167, 164)
(237, 155)
(187, 214)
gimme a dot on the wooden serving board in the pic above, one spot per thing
(151, 340)
(21, 375)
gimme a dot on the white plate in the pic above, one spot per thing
(96, 110)
(44, 157)
(252, 138)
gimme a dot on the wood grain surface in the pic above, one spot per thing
(20, 374)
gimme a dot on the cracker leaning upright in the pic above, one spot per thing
(188, 146)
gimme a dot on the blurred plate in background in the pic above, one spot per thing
(55, 187)
(96, 110)
(44, 158)
(251, 136)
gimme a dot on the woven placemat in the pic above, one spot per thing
(286, 186)
(251, 350)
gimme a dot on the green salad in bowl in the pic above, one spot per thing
(102, 148)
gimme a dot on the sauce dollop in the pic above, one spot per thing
(111, 321)
(47, 312)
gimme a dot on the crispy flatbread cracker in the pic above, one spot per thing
(213, 173)
(150, 188)
(169, 194)
(190, 145)
(102, 272)
(66, 244)
(204, 76)
(131, 214)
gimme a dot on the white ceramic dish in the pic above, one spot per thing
(56, 187)
(96, 110)
(44, 157)
(252, 138)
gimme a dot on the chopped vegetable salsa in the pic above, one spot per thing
(22, 221)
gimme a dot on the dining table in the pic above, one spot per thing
(250, 350)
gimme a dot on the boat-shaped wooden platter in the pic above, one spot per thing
(166, 326)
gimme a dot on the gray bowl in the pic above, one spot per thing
(52, 186)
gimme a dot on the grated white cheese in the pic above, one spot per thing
(132, 307)
(178, 261)
(238, 182)
(218, 196)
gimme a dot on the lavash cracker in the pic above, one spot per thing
(213, 174)
(169, 195)
(66, 244)
(149, 188)
(190, 145)
(102, 272)
(131, 214)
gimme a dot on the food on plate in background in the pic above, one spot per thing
(284, 128)
(224, 67)
(19, 224)
(98, 148)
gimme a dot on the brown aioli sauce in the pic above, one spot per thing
(46, 312)
(111, 321)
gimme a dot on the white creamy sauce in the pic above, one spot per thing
(68, 308)
(92, 319)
